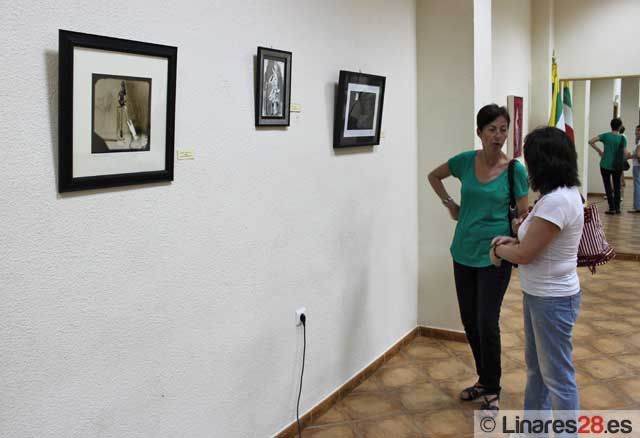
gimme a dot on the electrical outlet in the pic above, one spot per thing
(300, 311)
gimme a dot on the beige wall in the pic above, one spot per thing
(445, 47)
(596, 38)
(601, 103)
(511, 49)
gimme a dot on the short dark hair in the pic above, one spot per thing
(489, 113)
(551, 159)
(616, 123)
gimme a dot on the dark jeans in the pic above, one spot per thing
(480, 292)
(612, 198)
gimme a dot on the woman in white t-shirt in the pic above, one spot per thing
(547, 251)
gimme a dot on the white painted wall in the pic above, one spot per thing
(542, 43)
(581, 112)
(167, 310)
(595, 38)
(482, 54)
(511, 49)
(445, 36)
(599, 122)
(629, 111)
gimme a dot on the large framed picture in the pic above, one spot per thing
(116, 111)
(273, 87)
(514, 140)
(358, 110)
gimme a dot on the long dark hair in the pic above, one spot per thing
(552, 160)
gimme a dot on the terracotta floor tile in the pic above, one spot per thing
(631, 387)
(609, 344)
(400, 359)
(401, 426)
(395, 377)
(359, 406)
(369, 385)
(446, 423)
(516, 354)
(422, 352)
(601, 396)
(424, 396)
(447, 369)
(604, 368)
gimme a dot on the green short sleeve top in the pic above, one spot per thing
(484, 209)
(614, 145)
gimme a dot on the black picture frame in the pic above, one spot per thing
(273, 87)
(115, 95)
(358, 109)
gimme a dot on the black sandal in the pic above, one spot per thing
(487, 401)
(472, 392)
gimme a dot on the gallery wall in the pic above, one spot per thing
(511, 53)
(597, 38)
(601, 110)
(445, 36)
(168, 310)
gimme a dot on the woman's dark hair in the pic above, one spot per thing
(551, 159)
(615, 124)
(489, 113)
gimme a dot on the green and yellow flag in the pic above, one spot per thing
(556, 118)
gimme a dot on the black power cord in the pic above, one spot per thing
(303, 320)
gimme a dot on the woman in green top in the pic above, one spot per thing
(483, 212)
(611, 162)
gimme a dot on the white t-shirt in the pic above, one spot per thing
(553, 272)
(636, 160)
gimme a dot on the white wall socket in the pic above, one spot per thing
(299, 312)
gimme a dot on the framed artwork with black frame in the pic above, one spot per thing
(116, 111)
(358, 110)
(273, 87)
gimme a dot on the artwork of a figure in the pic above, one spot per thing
(273, 87)
(517, 127)
(121, 114)
(362, 110)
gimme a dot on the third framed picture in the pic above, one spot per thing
(358, 111)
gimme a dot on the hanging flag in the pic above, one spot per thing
(556, 118)
(567, 111)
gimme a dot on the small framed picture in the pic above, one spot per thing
(514, 140)
(116, 111)
(273, 87)
(358, 110)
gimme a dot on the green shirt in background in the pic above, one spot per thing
(484, 209)
(613, 156)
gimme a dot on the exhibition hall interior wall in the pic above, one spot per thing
(169, 309)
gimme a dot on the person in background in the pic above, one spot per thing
(636, 174)
(546, 251)
(482, 214)
(611, 162)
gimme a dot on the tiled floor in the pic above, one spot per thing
(416, 393)
(622, 231)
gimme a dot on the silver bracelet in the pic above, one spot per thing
(447, 201)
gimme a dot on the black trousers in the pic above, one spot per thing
(612, 198)
(480, 293)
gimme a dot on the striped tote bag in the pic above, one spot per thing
(594, 250)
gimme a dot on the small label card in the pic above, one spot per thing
(185, 154)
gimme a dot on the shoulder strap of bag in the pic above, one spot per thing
(512, 195)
